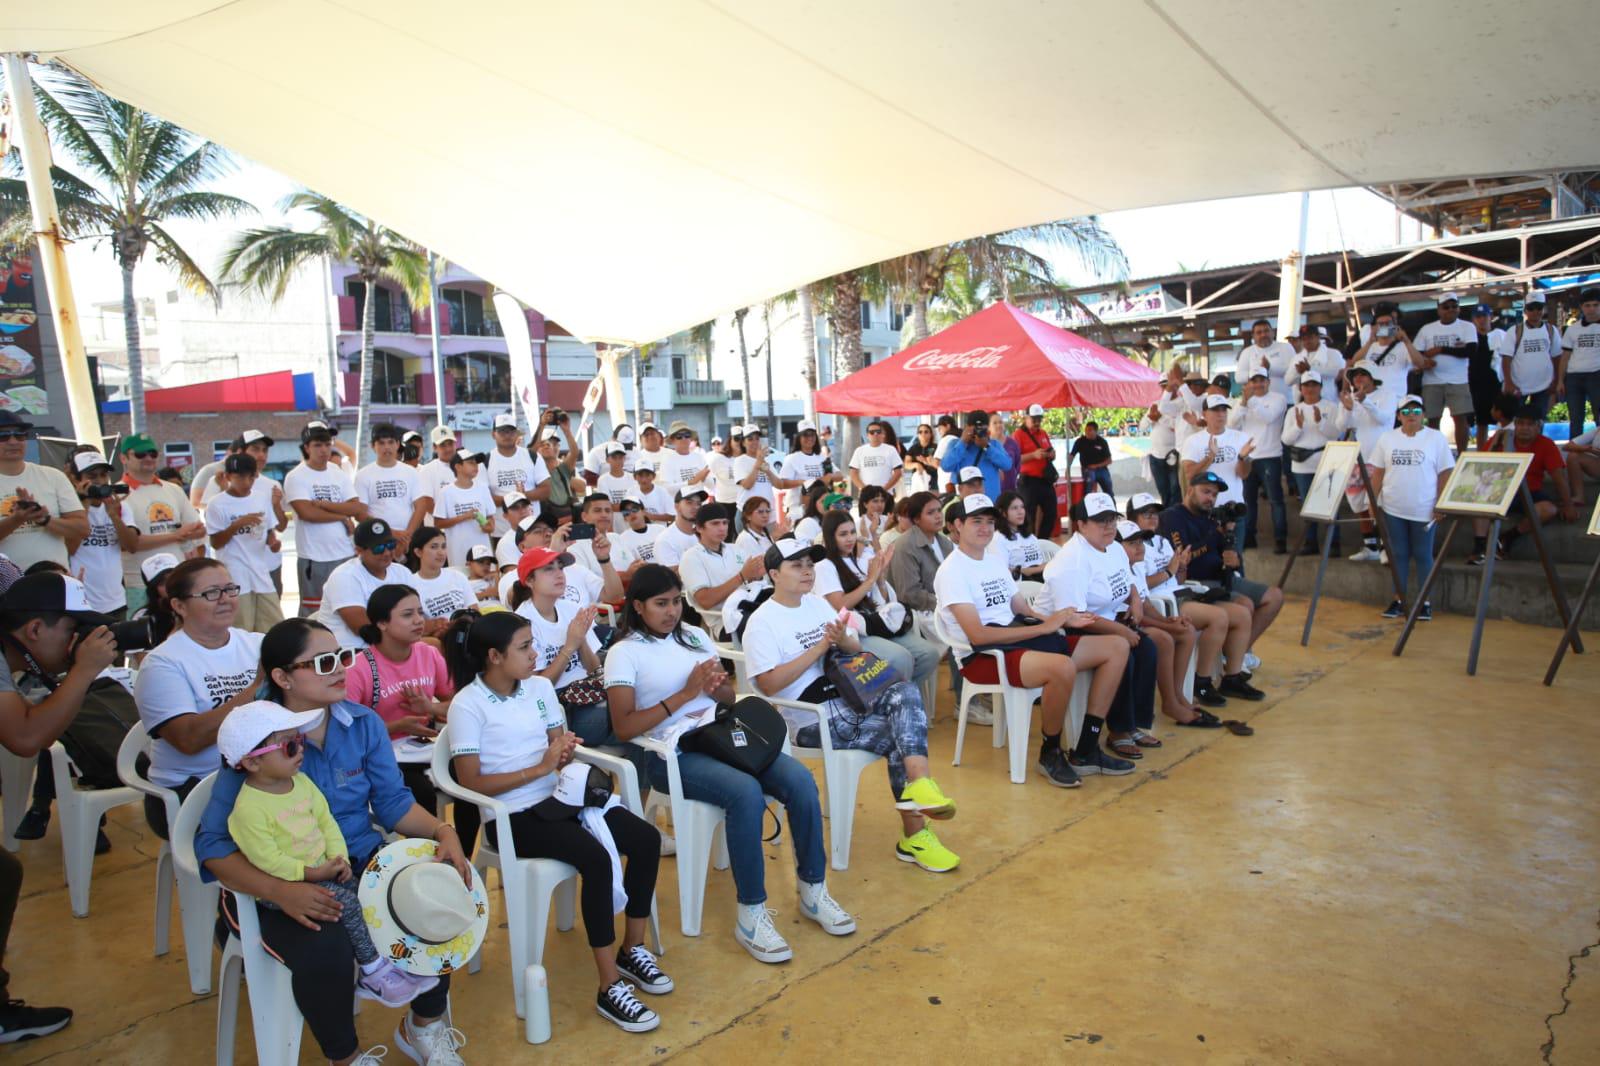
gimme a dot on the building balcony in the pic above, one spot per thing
(694, 391)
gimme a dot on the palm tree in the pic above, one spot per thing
(140, 173)
(265, 260)
(744, 359)
(810, 369)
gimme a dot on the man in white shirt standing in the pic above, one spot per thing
(1315, 354)
(1273, 356)
(436, 473)
(1226, 453)
(1260, 415)
(684, 464)
(1367, 408)
(1578, 373)
(754, 470)
(388, 487)
(1529, 353)
(1307, 429)
(650, 450)
(876, 462)
(513, 469)
(324, 500)
(1166, 415)
(1444, 351)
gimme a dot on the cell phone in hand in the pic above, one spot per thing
(580, 531)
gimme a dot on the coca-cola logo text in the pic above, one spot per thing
(971, 359)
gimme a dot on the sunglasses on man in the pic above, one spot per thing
(15, 434)
(143, 455)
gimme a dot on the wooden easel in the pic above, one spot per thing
(1570, 635)
(1327, 548)
(1488, 577)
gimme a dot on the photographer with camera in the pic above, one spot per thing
(1213, 561)
(193, 680)
(39, 512)
(97, 559)
(50, 633)
(976, 448)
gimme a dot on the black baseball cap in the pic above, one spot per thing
(239, 463)
(788, 548)
(1588, 296)
(1206, 477)
(977, 418)
(713, 511)
(12, 420)
(372, 532)
(316, 429)
(50, 593)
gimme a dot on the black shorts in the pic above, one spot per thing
(1539, 496)
(1485, 388)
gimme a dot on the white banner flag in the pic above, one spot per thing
(519, 346)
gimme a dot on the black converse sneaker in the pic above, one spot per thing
(639, 966)
(1206, 693)
(1099, 762)
(1053, 765)
(622, 1008)
(1237, 685)
(18, 1021)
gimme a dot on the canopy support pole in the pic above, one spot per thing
(1290, 278)
(34, 145)
(433, 331)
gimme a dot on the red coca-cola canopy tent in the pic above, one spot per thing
(1000, 359)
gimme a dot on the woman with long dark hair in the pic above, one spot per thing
(442, 589)
(1023, 552)
(921, 463)
(854, 577)
(508, 739)
(663, 678)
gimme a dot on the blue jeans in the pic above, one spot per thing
(1313, 531)
(743, 798)
(1410, 543)
(1099, 476)
(1268, 472)
(592, 723)
(1166, 479)
(912, 657)
(1583, 392)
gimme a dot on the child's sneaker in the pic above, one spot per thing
(392, 986)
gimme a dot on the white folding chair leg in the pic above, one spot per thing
(843, 784)
(16, 792)
(1188, 677)
(197, 911)
(567, 904)
(229, 979)
(1018, 717)
(696, 825)
(930, 696)
(719, 844)
(164, 883)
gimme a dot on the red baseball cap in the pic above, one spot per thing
(539, 558)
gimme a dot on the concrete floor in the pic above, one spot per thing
(1400, 866)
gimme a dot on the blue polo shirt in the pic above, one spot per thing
(354, 768)
(1201, 535)
(991, 460)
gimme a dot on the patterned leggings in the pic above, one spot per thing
(350, 917)
(897, 727)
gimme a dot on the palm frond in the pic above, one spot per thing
(72, 134)
(342, 226)
(264, 260)
(206, 163)
(173, 255)
(408, 268)
(199, 206)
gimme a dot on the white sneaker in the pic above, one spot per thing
(373, 1056)
(816, 904)
(754, 931)
(430, 1045)
(1366, 555)
(978, 712)
(1251, 662)
(669, 845)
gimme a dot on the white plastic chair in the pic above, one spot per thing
(607, 614)
(841, 771)
(1018, 710)
(274, 1016)
(711, 619)
(527, 885)
(197, 901)
(80, 810)
(730, 651)
(1168, 607)
(16, 793)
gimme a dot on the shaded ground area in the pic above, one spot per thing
(1399, 867)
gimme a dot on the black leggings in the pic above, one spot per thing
(322, 967)
(638, 845)
(1039, 497)
(155, 812)
(10, 892)
(415, 775)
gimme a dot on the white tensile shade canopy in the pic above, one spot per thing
(633, 168)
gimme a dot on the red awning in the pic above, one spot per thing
(1000, 359)
(257, 392)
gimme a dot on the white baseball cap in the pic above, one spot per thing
(157, 565)
(441, 434)
(1311, 377)
(649, 427)
(1260, 372)
(644, 466)
(805, 427)
(505, 421)
(969, 473)
(1141, 500)
(550, 433)
(514, 498)
(1535, 296)
(249, 724)
(1410, 399)
(1097, 504)
(84, 462)
(1447, 297)
(976, 504)
(625, 435)
(1369, 368)
(1217, 401)
(615, 448)
(250, 436)
(479, 551)
(750, 428)
(1127, 530)
(1036, 410)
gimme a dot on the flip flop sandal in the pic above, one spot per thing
(1125, 748)
(1202, 720)
(1238, 728)
(1145, 740)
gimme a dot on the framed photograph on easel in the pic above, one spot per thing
(1328, 483)
(1484, 484)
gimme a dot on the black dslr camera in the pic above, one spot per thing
(1228, 514)
(105, 492)
(138, 634)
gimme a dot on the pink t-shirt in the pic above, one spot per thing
(424, 671)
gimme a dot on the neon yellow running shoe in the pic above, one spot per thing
(923, 795)
(924, 849)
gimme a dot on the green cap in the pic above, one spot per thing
(136, 442)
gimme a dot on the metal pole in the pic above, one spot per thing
(1289, 285)
(433, 328)
(34, 145)
(1316, 589)
(1571, 634)
(1483, 597)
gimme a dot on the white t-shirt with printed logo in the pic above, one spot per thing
(1158, 554)
(1022, 551)
(1277, 358)
(762, 487)
(984, 583)
(1224, 463)
(152, 509)
(583, 587)
(548, 638)
(322, 542)
(641, 543)
(701, 568)
(876, 463)
(98, 562)
(616, 487)
(1533, 355)
(775, 634)
(656, 668)
(1582, 339)
(676, 470)
(453, 500)
(1411, 468)
(1448, 369)
(1086, 579)
(443, 595)
(672, 543)
(517, 472)
(49, 487)
(508, 733)
(798, 466)
(351, 585)
(390, 492)
(181, 677)
(245, 555)
(721, 482)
